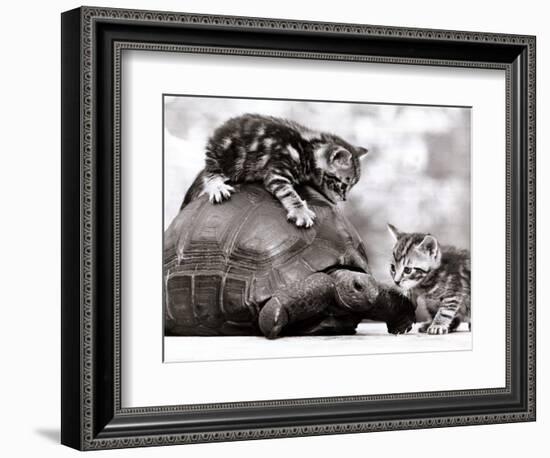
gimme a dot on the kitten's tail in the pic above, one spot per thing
(194, 190)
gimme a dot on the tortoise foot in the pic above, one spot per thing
(273, 318)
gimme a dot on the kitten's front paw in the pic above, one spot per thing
(302, 216)
(217, 190)
(438, 329)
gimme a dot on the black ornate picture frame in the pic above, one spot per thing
(92, 42)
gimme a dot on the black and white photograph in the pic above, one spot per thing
(276, 228)
(297, 228)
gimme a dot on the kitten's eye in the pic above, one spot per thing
(392, 268)
(407, 270)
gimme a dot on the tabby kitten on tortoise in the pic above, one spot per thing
(281, 154)
(433, 276)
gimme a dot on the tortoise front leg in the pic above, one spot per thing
(299, 301)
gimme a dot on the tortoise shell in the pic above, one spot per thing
(223, 262)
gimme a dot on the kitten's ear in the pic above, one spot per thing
(360, 151)
(393, 232)
(340, 158)
(429, 245)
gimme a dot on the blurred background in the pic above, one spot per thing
(416, 175)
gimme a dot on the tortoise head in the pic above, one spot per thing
(356, 291)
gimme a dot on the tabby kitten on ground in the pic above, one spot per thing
(432, 276)
(281, 154)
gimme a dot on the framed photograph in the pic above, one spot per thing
(277, 228)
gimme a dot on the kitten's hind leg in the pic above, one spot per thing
(455, 323)
(445, 316)
(297, 209)
(216, 188)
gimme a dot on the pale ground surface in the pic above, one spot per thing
(371, 338)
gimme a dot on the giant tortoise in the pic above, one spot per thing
(240, 268)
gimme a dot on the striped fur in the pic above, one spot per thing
(281, 154)
(434, 276)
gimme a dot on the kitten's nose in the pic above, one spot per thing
(397, 282)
